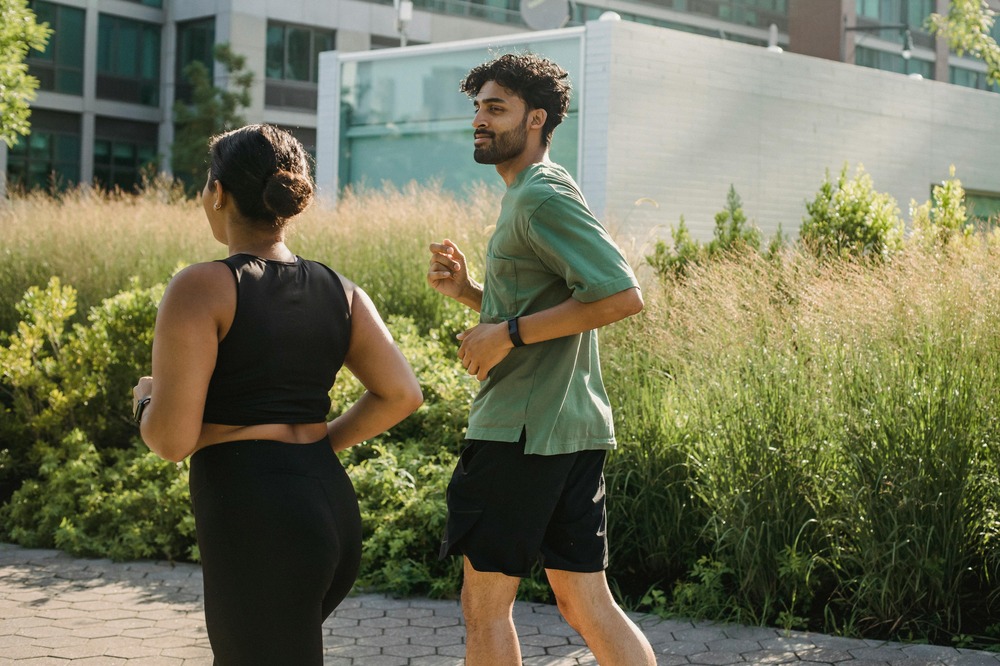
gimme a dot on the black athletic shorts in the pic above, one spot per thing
(508, 510)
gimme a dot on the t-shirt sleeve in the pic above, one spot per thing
(571, 242)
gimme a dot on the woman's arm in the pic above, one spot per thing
(197, 305)
(392, 391)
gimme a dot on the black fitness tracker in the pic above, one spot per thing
(515, 335)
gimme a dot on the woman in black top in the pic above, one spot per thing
(245, 352)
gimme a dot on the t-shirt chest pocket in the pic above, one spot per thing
(500, 296)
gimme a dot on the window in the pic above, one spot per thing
(128, 60)
(292, 65)
(148, 3)
(983, 206)
(60, 67)
(971, 78)
(122, 150)
(195, 43)
(912, 12)
(293, 52)
(50, 155)
(892, 62)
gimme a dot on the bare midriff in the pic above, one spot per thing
(290, 433)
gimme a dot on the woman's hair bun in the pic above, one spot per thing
(287, 194)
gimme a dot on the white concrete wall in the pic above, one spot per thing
(685, 116)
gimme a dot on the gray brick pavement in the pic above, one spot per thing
(59, 610)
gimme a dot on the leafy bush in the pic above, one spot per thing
(401, 489)
(944, 218)
(674, 261)
(851, 219)
(124, 504)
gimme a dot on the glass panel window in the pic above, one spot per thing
(195, 43)
(404, 116)
(60, 67)
(119, 163)
(971, 78)
(298, 55)
(293, 51)
(984, 206)
(123, 150)
(275, 67)
(892, 62)
(128, 60)
(50, 156)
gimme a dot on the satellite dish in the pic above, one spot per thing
(545, 14)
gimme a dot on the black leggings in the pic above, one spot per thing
(280, 538)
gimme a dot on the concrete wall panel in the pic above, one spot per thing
(689, 115)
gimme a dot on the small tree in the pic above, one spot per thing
(212, 110)
(967, 28)
(732, 234)
(673, 261)
(19, 33)
(731, 229)
(850, 218)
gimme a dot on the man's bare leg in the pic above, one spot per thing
(588, 606)
(488, 607)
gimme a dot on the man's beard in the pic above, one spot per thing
(503, 146)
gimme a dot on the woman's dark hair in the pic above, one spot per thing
(265, 170)
(541, 83)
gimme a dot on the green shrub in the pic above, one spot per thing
(59, 377)
(673, 262)
(401, 490)
(937, 222)
(851, 219)
(732, 233)
(124, 504)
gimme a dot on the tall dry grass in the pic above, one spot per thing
(803, 443)
(816, 444)
(98, 242)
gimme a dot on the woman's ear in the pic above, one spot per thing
(220, 195)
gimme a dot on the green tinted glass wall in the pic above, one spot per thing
(60, 66)
(404, 119)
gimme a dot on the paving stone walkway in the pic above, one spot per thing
(59, 610)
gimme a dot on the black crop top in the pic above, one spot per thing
(287, 342)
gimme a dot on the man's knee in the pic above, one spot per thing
(582, 599)
(487, 596)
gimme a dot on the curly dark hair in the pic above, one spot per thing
(541, 83)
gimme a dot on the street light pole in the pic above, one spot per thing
(904, 28)
(404, 13)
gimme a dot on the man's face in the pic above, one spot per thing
(501, 131)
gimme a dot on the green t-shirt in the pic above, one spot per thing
(547, 247)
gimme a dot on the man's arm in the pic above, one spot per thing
(485, 345)
(450, 276)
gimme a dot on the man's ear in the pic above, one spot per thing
(537, 118)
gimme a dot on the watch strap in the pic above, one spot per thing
(512, 331)
(140, 407)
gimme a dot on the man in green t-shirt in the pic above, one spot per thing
(529, 485)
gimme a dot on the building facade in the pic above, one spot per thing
(663, 123)
(114, 68)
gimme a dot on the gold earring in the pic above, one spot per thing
(217, 206)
